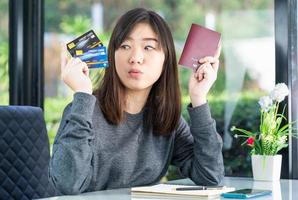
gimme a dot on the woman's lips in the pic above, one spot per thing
(135, 73)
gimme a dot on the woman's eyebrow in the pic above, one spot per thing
(144, 39)
(151, 39)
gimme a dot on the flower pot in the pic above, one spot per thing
(266, 168)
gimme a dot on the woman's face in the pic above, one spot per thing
(139, 59)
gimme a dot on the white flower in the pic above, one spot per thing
(268, 138)
(282, 140)
(279, 92)
(233, 128)
(265, 103)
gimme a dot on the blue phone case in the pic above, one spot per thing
(245, 196)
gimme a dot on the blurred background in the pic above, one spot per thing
(247, 62)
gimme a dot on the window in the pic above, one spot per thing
(249, 70)
(247, 67)
(64, 21)
(4, 95)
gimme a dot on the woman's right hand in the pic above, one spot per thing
(75, 73)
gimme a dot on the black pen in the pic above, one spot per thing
(199, 188)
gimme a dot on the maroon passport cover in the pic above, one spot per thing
(200, 42)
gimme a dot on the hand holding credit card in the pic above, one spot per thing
(200, 42)
(89, 49)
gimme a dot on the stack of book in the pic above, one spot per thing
(167, 191)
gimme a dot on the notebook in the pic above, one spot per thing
(168, 191)
(200, 42)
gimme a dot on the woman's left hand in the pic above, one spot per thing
(203, 78)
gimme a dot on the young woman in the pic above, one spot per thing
(130, 130)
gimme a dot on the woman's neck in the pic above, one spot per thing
(136, 100)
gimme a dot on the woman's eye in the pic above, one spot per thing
(148, 47)
(124, 46)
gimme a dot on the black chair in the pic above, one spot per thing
(24, 154)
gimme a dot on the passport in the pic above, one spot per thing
(200, 42)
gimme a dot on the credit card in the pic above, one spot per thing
(96, 57)
(83, 43)
(89, 48)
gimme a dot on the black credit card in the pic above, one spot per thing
(83, 44)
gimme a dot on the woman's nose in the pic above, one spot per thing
(136, 57)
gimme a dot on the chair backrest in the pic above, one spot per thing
(24, 154)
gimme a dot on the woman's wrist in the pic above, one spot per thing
(198, 101)
(84, 90)
(87, 90)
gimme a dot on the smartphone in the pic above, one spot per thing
(246, 193)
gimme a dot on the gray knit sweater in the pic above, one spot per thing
(90, 154)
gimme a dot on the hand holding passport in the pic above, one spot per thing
(200, 42)
(89, 49)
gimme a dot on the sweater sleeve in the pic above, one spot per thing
(198, 148)
(70, 168)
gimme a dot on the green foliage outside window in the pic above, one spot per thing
(4, 72)
(4, 52)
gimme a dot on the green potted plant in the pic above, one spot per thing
(271, 138)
